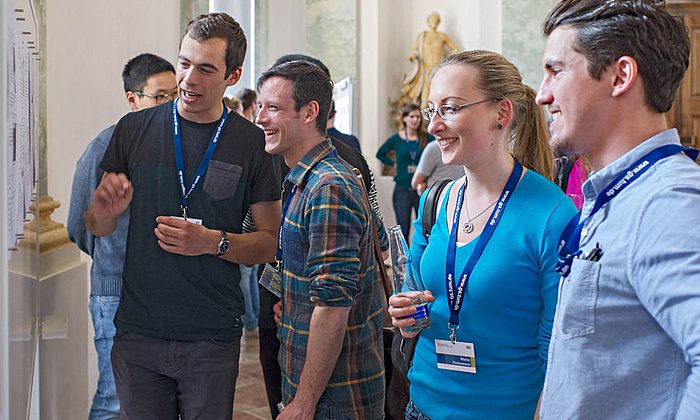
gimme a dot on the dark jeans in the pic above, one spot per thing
(413, 413)
(272, 374)
(405, 201)
(164, 379)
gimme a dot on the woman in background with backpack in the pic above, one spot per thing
(489, 264)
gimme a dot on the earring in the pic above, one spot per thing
(500, 126)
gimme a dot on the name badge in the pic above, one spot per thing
(189, 219)
(411, 169)
(458, 356)
(271, 279)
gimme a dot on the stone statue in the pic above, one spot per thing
(429, 49)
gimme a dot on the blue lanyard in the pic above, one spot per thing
(278, 254)
(180, 163)
(455, 292)
(571, 236)
(413, 147)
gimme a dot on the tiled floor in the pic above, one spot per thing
(251, 400)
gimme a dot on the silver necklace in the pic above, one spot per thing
(468, 226)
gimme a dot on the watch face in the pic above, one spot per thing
(224, 245)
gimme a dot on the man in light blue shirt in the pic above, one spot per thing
(626, 336)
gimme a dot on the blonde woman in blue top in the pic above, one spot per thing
(484, 355)
(407, 145)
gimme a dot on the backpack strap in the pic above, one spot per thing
(380, 269)
(430, 209)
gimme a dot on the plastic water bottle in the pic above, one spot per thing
(407, 282)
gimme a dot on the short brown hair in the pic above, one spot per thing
(641, 29)
(309, 83)
(220, 25)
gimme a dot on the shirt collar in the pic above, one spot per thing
(298, 174)
(598, 180)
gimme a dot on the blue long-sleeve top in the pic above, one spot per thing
(107, 252)
(507, 312)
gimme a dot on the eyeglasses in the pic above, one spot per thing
(158, 98)
(447, 112)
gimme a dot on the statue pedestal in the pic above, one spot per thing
(48, 321)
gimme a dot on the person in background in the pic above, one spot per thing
(188, 171)
(430, 169)
(248, 100)
(570, 172)
(331, 309)
(407, 145)
(148, 80)
(494, 240)
(627, 342)
(233, 104)
(349, 139)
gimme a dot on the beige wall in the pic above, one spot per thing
(89, 41)
(387, 30)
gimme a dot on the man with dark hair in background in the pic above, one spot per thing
(626, 336)
(188, 170)
(349, 139)
(148, 80)
(330, 315)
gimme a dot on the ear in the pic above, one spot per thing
(131, 99)
(234, 77)
(311, 113)
(624, 74)
(505, 112)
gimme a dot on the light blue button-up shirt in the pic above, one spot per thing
(626, 337)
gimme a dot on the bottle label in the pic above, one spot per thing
(421, 311)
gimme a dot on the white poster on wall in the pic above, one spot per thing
(344, 105)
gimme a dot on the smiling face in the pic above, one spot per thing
(201, 70)
(578, 103)
(470, 135)
(278, 118)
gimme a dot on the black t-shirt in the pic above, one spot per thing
(171, 296)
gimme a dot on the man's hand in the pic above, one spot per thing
(296, 410)
(401, 310)
(110, 199)
(112, 196)
(179, 236)
(277, 309)
(421, 187)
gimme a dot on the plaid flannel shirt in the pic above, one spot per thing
(328, 261)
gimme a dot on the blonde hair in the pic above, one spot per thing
(498, 78)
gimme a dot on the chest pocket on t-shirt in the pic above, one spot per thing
(577, 299)
(221, 180)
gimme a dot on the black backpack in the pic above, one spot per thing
(431, 202)
(402, 348)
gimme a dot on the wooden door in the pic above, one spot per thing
(685, 113)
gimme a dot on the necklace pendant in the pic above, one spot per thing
(468, 227)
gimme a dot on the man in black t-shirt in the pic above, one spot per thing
(189, 170)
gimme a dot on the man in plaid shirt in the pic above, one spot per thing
(331, 309)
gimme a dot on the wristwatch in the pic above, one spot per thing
(224, 245)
